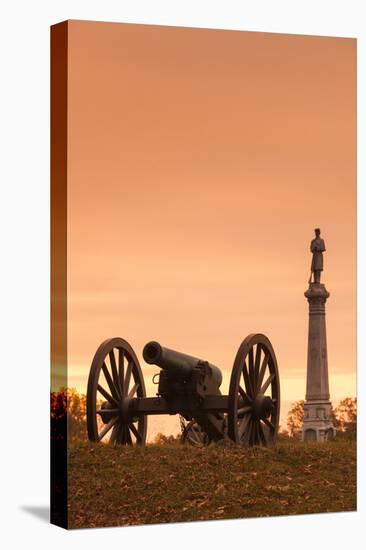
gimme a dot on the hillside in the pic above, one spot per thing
(172, 483)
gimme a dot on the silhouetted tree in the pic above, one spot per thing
(295, 418)
(76, 413)
(68, 413)
(346, 415)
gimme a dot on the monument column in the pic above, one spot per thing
(318, 423)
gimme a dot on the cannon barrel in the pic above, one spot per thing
(178, 364)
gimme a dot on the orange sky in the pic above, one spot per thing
(199, 163)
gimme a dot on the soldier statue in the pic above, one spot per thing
(317, 247)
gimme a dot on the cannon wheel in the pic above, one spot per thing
(254, 394)
(115, 377)
(194, 435)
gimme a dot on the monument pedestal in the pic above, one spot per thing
(318, 423)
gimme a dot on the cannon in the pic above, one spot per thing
(117, 406)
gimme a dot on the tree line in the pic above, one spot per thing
(68, 412)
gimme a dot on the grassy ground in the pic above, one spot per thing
(172, 483)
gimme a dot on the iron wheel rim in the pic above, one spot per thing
(115, 375)
(255, 374)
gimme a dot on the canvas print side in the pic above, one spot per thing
(59, 274)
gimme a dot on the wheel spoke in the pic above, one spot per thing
(135, 432)
(244, 395)
(196, 434)
(248, 383)
(193, 434)
(243, 425)
(107, 396)
(268, 423)
(107, 427)
(114, 434)
(267, 383)
(140, 422)
(121, 370)
(123, 437)
(253, 437)
(114, 371)
(133, 390)
(257, 365)
(251, 368)
(248, 432)
(244, 410)
(263, 369)
(259, 439)
(110, 382)
(261, 434)
(128, 435)
(128, 377)
(120, 436)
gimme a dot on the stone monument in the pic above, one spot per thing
(318, 423)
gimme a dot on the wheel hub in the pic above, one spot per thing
(125, 410)
(106, 416)
(263, 406)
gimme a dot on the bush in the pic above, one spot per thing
(346, 415)
(68, 414)
(161, 439)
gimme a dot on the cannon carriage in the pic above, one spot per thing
(117, 405)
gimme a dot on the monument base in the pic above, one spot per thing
(318, 423)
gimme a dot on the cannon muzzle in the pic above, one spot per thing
(179, 365)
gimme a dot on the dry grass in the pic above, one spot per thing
(111, 486)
